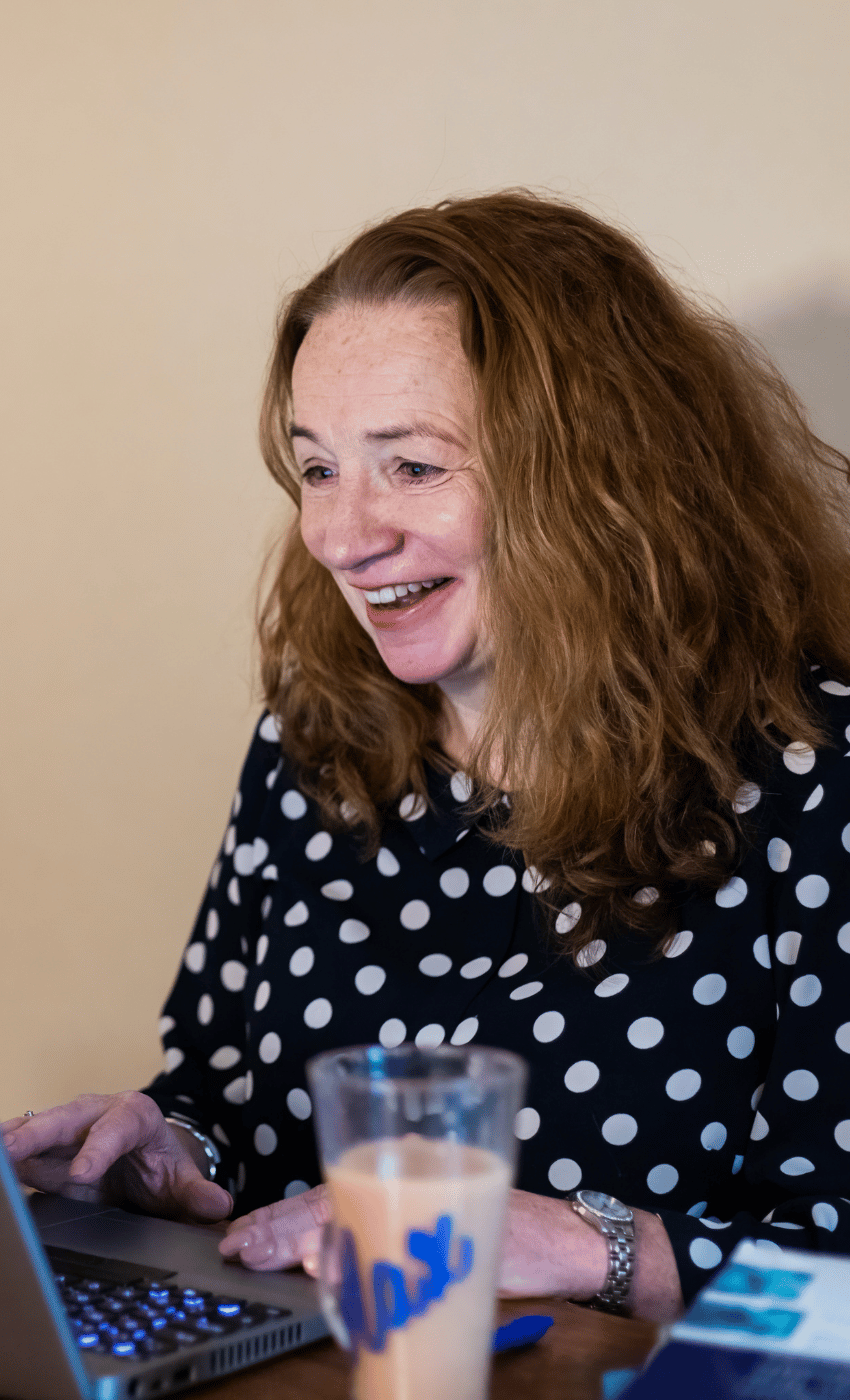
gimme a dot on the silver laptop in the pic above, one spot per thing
(97, 1303)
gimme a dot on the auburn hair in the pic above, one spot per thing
(666, 557)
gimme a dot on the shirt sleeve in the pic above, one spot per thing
(789, 1184)
(203, 1023)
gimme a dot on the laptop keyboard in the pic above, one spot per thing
(145, 1318)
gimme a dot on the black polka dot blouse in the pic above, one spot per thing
(710, 1085)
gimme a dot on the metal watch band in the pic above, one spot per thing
(619, 1235)
(211, 1152)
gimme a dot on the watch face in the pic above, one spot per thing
(606, 1205)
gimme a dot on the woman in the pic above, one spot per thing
(555, 662)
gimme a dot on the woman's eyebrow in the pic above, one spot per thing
(396, 432)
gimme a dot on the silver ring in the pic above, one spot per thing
(29, 1113)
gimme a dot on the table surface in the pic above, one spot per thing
(565, 1365)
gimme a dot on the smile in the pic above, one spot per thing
(402, 595)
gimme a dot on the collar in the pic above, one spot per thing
(443, 823)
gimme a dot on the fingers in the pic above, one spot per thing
(204, 1200)
(280, 1235)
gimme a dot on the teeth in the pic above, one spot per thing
(399, 590)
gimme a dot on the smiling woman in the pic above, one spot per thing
(558, 683)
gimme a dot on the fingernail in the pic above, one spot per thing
(233, 1243)
(310, 1265)
(81, 1167)
(9, 1138)
(256, 1253)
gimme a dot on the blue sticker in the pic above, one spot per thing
(387, 1300)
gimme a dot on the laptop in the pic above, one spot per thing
(98, 1303)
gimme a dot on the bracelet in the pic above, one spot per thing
(211, 1152)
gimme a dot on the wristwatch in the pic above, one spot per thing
(616, 1223)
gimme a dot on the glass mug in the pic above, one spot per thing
(418, 1150)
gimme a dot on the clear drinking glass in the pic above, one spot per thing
(419, 1152)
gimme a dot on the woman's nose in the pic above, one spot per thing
(358, 527)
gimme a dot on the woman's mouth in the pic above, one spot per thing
(397, 597)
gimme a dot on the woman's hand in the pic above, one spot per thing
(548, 1249)
(117, 1148)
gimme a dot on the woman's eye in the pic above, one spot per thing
(314, 474)
(417, 471)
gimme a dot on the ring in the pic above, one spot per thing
(29, 1113)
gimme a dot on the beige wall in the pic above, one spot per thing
(168, 168)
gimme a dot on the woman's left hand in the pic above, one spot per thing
(548, 1249)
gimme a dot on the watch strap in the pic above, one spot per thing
(619, 1236)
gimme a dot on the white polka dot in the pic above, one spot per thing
(262, 948)
(581, 1076)
(713, 1136)
(681, 943)
(759, 1129)
(683, 1084)
(842, 1037)
(799, 757)
(812, 891)
(797, 1166)
(844, 938)
(270, 1048)
(165, 1024)
(270, 873)
(295, 1188)
(215, 874)
(528, 989)
(233, 975)
(705, 1253)
(732, 893)
(338, 889)
(476, 968)
(430, 1035)
(261, 996)
(302, 961)
(568, 918)
(591, 953)
(220, 1135)
(461, 787)
(318, 846)
(533, 882)
(825, 1215)
(353, 931)
(233, 891)
(392, 1033)
(349, 813)
(610, 986)
(465, 1031)
(243, 859)
(298, 914)
(225, 1058)
(526, 1123)
(318, 1013)
(698, 1209)
(293, 804)
(455, 882)
(511, 966)
(737, 1165)
(412, 807)
(173, 1058)
(835, 688)
(269, 731)
(761, 950)
(205, 1009)
(435, 965)
(740, 1042)
(229, 844)
(195, 956)
(662, 1179)
(778, 854)
(386, 862)
(815, 799)
(645, 1032)
(805, 990)
(787, 947)
(548, 1026)
(800, 1084)
(415, 914)
(619, 1129)
(709, 989)
(266, 907)
(235, 1091)
(500, 879)
(212, 925)
(265, 1140)
(564, 1174)
(370, 979)
(299, 1105)
(842, 1134)
(746, 797)
(647, 895)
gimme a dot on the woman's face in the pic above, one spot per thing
(383, 410)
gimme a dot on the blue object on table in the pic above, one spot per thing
(615, 1381)
(521, 1332)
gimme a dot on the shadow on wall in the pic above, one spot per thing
(810, 341)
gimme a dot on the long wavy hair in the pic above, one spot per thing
(667, 554)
